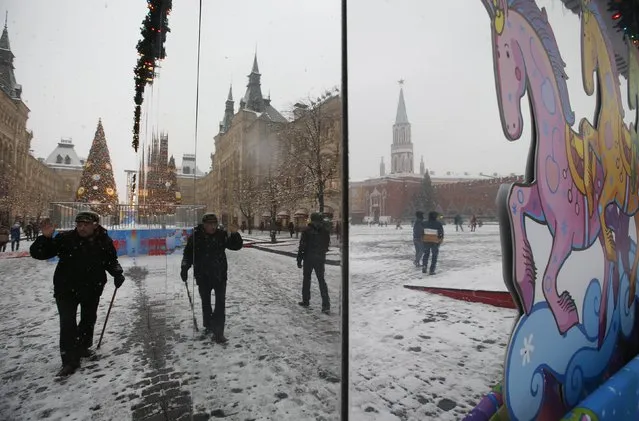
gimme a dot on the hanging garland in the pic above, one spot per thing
(150, 49)
(625, 15)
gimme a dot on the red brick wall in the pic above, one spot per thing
(467, 197)
(471, 197)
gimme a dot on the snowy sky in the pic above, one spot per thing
(445, 57)
(75, 59)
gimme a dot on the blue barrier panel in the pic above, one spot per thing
(616, 399)
(147, 242)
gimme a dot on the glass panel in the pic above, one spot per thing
(152, 115)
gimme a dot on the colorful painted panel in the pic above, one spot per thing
(616, 399)
(569, 232)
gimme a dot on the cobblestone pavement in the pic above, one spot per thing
(282, 362)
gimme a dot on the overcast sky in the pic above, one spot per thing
(75, 59)
(445, 56)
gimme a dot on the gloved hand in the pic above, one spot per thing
(184, 273)
(118, 280)
(299, 264)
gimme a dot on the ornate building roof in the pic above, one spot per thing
(8, 82)
(64, 156)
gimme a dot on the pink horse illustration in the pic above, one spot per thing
(527, 59)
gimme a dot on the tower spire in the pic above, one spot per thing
(253, 98)
(401, 117)
(229, 111)
(402, 147)
(255, 68)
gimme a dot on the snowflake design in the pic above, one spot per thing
(527, 350)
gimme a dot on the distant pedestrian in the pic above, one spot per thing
(418, 234)
(4, 237)
(433, 237)
(473, 223)
(459, 223)
(311, 256)
(15, 236)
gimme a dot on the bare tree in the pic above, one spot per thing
(278, 189)
(312, 141)
(246, 194)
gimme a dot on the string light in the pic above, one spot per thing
(150, 49)
(625, 15)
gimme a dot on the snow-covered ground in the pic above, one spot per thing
(282, 361)
(414, 355)
(287, 244)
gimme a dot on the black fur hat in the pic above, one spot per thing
(87, 216)
(209, 217)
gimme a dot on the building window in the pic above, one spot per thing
(67, 160)
(186, 170)
(58, 159)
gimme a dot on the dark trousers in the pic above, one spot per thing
(431, 248)
(15, 245)
(419, 250)
(3, 246)
(317, 265)
(73, 336)
(213, 318)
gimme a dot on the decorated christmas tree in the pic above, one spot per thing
(97, 185)
(174, 194)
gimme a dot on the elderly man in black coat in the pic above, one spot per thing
(85, 254)
(206, 251)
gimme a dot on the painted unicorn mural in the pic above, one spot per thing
(527, 59)
(613, 147)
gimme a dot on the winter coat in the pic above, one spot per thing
(207, 254)
(81, 270)
(433, 229)
(314, 242)
(4, 235)
(15, 233)
(418, 229)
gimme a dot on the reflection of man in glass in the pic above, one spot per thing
(206, 251)
(312, 251)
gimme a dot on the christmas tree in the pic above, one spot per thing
(174, 195)
(97, 185)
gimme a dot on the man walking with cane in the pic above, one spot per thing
(86, 253)
(205, 250)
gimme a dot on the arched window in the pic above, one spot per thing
(67, 160)
(186, 170)
(58, 159)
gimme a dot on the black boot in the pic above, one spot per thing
(304, 303)
(88, 353)
(67, 370)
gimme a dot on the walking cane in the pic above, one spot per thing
(107, 318)
(192, 309)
